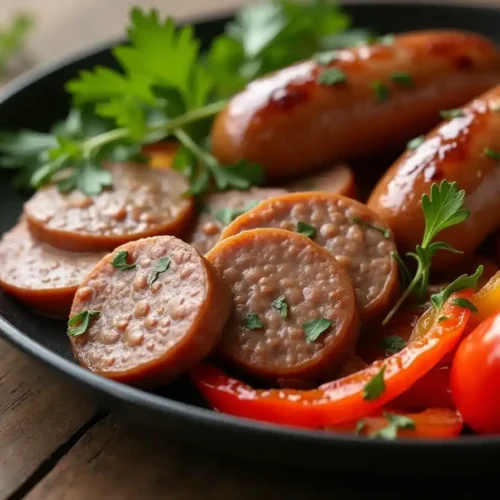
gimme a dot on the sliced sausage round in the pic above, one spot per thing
(142, 202)
(338, 179)
(153, 317)
(220, 209)
(355, 235)
(43, 277)
(294, 315)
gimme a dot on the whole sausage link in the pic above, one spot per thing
(290, 122)
(461, 149)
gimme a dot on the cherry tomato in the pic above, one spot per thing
(475, 377)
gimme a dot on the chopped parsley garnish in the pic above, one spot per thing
(120, 261)
(465, 303)
(78, 324)
(252, 322)
(415, 142)
(394, 424)
(381, 90)
(281, 305)
(227, 215)
(452, 113)
(402, 78)
(491, 153)
(159, 267)
(443, 318)
(325, 58)
(442, 209)
(461, 283)
(385, 232)
(392, 344)
(375, 387)
(306, 229)
(315, 327)
(331, 76)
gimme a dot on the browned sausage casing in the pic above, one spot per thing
(290, 123)
(456, 150)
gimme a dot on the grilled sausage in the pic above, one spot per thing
(290, 122)
(465, 149)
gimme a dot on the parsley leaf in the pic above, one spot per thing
(78, 324)
(392, 344)
(466, 304)
(416, 142)
(461, 283)
(227, 215)
(375, 387)
(159, 267)
(402, 78)
(385, 232)
(395, 422)
(315, 327)
(281, 305)
(381, 91)
(306, 229)
(331, 76)
(252, 322)
(442, 209)
(120, 261)
(491, 153)
(452, 113)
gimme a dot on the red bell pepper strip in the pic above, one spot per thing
(436, 423)
(341, 400)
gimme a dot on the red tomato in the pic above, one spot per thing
(475, 377)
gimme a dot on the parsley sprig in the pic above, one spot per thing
(442, 209)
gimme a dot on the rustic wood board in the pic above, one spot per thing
(38, 415)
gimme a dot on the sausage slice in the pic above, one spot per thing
(338, 179)
(39, 275)
(355, 235)
(154, 320)
(294, 314)
(142, 202)
(220, 209)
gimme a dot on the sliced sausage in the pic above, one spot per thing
(294, 314)
(373, 97)
(220, 209)
(149, 323)
(338, 179)
(142, 202)
(461, 149)
(355, 235)
(43, 277)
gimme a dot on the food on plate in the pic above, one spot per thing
(294, 309)
(474, 377)
(195, 214)
(438, 423)
(465, 149)
(355, 102)
(143, 202)
(356, 236)
(39, 275)
(149, 311)
(220, 209)
(339, 179)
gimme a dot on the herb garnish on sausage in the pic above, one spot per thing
(160, 266)
(452, 113)
(402, 78)
(315, 327)
(306, 229)
(392, 344)
(385, 232)
(281, 305)
(78, 324)
(120, 261)
(253, 322)
(331, 76)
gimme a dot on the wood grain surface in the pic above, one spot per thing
(53, 445)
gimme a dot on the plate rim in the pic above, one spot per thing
(186, 411)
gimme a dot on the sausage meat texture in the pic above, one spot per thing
(307, 115)
(352, 233)
(154, 320)
(281, 281)
(465, 149)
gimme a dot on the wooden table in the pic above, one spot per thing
(54, 444)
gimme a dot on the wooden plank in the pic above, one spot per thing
(114, 461)
(38, 414)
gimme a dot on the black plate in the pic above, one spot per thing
(36, 100)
